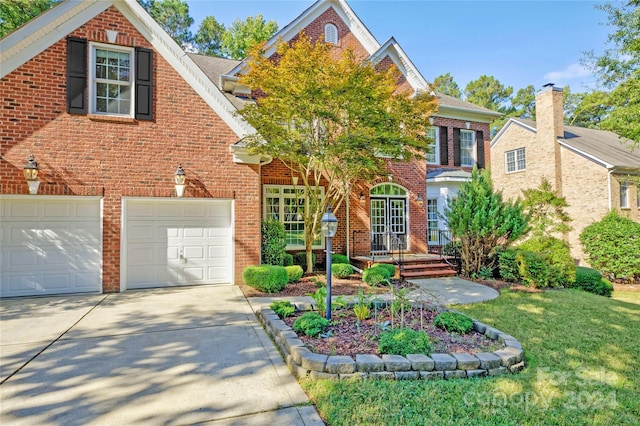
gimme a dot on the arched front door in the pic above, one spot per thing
(389, 224)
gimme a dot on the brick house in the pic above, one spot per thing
(590, 168)
(110, 105)
(396, 203)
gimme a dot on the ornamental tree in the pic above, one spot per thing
(331, 120)
(482, 221)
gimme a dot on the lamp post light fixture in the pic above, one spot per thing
(329, 226)
(31, 175)
(180, 179)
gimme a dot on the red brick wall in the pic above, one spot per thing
(81, 155)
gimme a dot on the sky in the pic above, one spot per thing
(518, 42)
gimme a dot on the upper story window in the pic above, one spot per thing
(112, 86)
(331, 34)
(624, 195)
(515, 160)
(467, 138)
(432, 145)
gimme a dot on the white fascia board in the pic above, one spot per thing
(465, 114)
(45, 30)
(511, 121)
(392, 49)
(292, 29)
(184, 65)
(448, 179)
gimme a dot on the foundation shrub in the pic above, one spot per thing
(294, 272)
(375, 275)
(557, 255)
(590, 280)
(341, 270)
(389, 267)
(287, 259)
(301, 259)
(266, 278)
(508, 266)
(339, 259)
(273, 242)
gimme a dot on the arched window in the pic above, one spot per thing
(331, 34)
(388, 189)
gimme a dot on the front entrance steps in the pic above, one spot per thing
(413, 265)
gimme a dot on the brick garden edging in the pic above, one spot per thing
(302, 362)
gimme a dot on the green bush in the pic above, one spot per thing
(294, 272)
(301, 259)
(508, 266)
(403, 341)
(533, 269)
(453, 322)
(391, 269)
(273, 242)
(339, 259)
(287, 259)
(311, 324)
(266, 278)
(558, 256)
(341, 270)
(375, 275)
(590, 280)
(283, 308)
(613, 246)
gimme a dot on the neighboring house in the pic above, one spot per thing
(594, 170)
(110, 105)
(396, 204)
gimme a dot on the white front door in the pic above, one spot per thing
(173, 242)
(50, 245)
(388, 221)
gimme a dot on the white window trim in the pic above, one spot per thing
(473, 146)
(92, 76)
(436, 147)
(265, 213)
(516, 159)
(624, 202)
(330, 33)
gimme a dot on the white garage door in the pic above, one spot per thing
(177, 242)
(50, 245)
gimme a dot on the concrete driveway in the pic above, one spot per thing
(169, 356)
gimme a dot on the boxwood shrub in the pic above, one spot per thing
(294, 273)
(590, 280)
(391, 269)
(287, 259)
(339, 259)
(453, 322)
(311, 324)
(403, 341)
(375, 275)
(266, 278)
(341, 270)
(301, 259)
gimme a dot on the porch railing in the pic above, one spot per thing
(448, 250)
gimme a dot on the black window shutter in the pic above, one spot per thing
(76, 75)
(144, 84)
(444, 146)
(456, 147)
(480, 149)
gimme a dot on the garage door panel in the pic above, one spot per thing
(21, 257)
(24, 209)
(58, 209)
(167, 210)
(196, 210)
(194, 232)
(192, 253)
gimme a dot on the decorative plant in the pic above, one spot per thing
(361, 308)
(283, 308)
(403, 341)
(320, 297)
(453, 322)
(311, 324)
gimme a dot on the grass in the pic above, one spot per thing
(583, 368)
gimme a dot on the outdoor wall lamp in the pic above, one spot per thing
(420, 200)
(362, 199)
(329, 226)
(31, 175)
(468, 124)
(180, 179)
(431, 120)
(294, 179)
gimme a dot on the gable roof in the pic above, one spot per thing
(601, 146)
(48, 28)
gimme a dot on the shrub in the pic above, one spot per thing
(403, 341)
(266, 278)
(533, 269)
(508, 266)
(339, 259)
(283, 308)
(341, 270)
(558, 256)
(311, 324)
(294, 272)
(613, 246)
(590, 280)
(273, 242)
(375, 275)
(287, 259)
(301, 259)
(388, 266)
(453, 322)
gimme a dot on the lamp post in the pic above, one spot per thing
(329, 227)
(180, 179)
(31, 175)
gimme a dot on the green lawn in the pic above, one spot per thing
(583, 368)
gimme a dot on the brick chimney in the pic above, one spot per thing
(550, 128)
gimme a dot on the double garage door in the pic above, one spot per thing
(53, 245)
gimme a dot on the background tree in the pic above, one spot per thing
(618, 68)
(242, 35)
(524, 103)
(482, 221)
(445, 84)
(15, 13)
(173, 16)
(586, 109)
(488, 92)
(208, 39)
(545, 208)
(331, 121)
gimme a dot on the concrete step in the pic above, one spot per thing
(428, 273)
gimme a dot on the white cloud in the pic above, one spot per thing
(573, 71)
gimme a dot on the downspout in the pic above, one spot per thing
(609, 188)
(348, 227)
